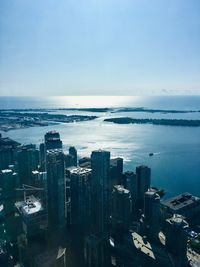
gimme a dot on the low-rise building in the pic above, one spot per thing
(184, 204)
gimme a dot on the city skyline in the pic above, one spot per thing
(99, 47)
(99, 133)
(86, 211)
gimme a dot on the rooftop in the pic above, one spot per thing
(178, 221)
(144, 246)
(142, 167)
(52, 132)
(54, 151)
(114, 161)
(152, 194)
(35, 172)
(6, 141)
(129, 173)
(32, 205)
(6, 171)
(121, 189)
(180, 201)
(38, 172)
(53, 139)
(101, 151)
(151, 250)
(79, 170)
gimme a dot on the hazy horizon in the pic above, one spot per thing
(99, 47)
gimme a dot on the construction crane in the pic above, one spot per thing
(26, 188)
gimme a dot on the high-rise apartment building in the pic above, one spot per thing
(80, 198)
(100, 161)
(27, 161)
(96, 245)
(52, 140)
(121, 208)
(116, 170)
(7, 152)
(131, 184)
(73, 155)
(151, 216)
(55, 188)
(143, 181)
(176, 238)
(8, 183)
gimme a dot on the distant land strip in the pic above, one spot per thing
(18, 120)
(167, 122)
(112, 110)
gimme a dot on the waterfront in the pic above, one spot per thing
(176, 161)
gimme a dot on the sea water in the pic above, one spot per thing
(176, 161)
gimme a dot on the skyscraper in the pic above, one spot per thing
(116, 170)
(42, 157)
(27, 161)
(176, 238)
(96, 245)
(73, 155)
(52, 140)
(100, 161)
(55, 188)
(143, 181)
(131, 183)
(40, 181)
(120, 209)
(151, 217)
(7, 152)
(80, 196)
(8, 183)
(94, 252)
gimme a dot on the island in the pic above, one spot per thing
(10, 120)
(148, 110)
(167, 122)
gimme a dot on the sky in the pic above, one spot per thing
(99, 47)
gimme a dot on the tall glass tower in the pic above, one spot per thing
(55, 188)
(100, 161)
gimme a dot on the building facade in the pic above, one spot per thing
(55, 188)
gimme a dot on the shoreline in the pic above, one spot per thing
(164, 122)
(13, 121)
(102, 110)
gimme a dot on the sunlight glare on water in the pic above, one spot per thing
(96, 101)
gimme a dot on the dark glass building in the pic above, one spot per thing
(80, 197)
(52, 140)
(100, 160)
(27, 161)
(176, 239)
(121, 209)
(151, 217)
(73, 155)
(55, 188)
(143, 181)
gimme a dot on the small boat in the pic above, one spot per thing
(151, 154)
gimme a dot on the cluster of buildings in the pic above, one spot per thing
(61, 211)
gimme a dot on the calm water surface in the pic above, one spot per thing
(176, 161)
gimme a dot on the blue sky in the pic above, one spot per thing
(99, 47)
